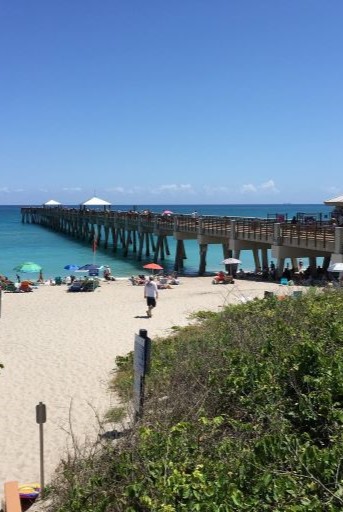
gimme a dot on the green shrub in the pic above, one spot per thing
(243, 412)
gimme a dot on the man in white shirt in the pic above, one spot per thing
(151, 295)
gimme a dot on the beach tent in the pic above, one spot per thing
(51, 202)
(95, 201)
(335, 201)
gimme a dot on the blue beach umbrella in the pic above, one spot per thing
(92, 269)
(89, 266)
(71, 267)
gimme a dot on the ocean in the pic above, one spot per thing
(52, 251)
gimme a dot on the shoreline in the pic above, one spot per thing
(60, 348)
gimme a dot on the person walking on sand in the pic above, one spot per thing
(151, 295)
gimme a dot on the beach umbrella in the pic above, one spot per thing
(28, 266)
(167, 212)
(72, 267)
(231, 261)
(89, 266)
(153, 266)
(335, 267)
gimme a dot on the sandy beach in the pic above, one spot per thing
(60, 348)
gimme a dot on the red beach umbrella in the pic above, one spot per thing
(153, 266)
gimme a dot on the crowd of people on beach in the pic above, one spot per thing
(163, 281)
(309, 276)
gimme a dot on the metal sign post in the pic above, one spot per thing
(141, 368)
(41, 419)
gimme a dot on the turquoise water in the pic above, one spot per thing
(28, 242)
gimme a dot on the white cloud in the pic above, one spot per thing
(135, 190)
(249, 188)
(120, 190)
(216, 190)
(267, 186)
(173, 189)
(72, 189)
(7, 190)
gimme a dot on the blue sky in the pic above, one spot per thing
(156, 102)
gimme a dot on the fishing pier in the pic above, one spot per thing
(146, 234)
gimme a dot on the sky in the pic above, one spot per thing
(171, 102)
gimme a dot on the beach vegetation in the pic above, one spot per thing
(243, 412)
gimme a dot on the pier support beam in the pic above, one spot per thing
(106, 237)
(265, 263)
(227, 252)
(280, 265)
(140, 246)
(313, 262)
(179, 255)
(294, 264)
(256, 259)
(147, 244)
(115, 239)
(134, 241)
(337, 256)
(326, 262)
(203, 254)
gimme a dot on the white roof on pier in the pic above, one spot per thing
(51, 202)
(336, 201)
(96, 201)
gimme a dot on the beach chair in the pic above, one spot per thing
(76, 286)
(229, 280)
(90, 285)
(284, 281)
(12, 499)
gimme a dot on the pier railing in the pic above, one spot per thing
(311, 236)
(255, 229)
